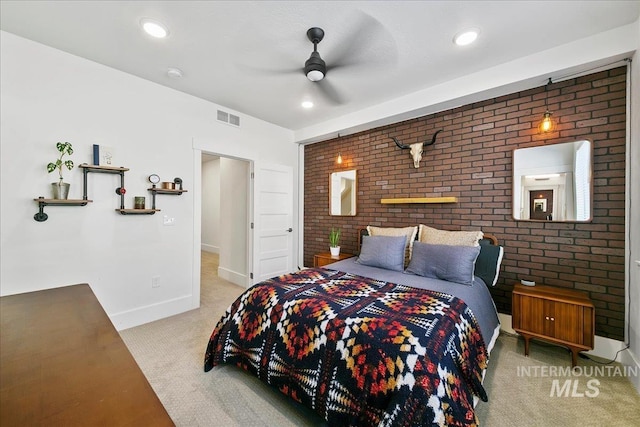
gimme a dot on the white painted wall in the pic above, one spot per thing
(47, 95)
(234, 214)
(211, 204)
(632, 356)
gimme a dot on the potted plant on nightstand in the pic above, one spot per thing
(60, 189)
(334, 242)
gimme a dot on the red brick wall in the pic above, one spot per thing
(472, 160)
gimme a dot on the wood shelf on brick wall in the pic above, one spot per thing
(419, 200)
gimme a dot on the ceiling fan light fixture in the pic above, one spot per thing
(315, 75)
(315, 67)
(466, 37)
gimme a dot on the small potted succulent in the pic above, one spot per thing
(334, 242)
(60, 189)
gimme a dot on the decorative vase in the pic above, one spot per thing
(335, 251)
(60, 190)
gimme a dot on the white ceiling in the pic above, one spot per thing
(231, 52)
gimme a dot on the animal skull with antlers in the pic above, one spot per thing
(416, 149)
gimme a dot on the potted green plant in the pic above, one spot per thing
(60, 189)
(334, 242)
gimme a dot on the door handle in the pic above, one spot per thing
(289, 229)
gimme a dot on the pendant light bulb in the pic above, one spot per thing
(547, 123)
(339, 159)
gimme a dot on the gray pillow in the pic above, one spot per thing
(445, 262)
(383, 251)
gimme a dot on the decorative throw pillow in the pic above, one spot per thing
(383, 251)
(445, 262)
(443, 237)
(488, 262)
(408, 232)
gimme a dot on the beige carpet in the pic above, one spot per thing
(170, 352)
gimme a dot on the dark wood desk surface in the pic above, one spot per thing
(63, 363)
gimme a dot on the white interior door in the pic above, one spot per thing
(273, 220)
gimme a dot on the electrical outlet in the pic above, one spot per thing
(169, 221)
(155, 282)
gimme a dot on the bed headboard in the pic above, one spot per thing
(493, 240)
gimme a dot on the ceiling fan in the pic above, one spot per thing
(355, 50)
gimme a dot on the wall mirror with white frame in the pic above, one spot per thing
(553, 182)
(342, 193)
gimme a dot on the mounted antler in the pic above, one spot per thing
(416, 149)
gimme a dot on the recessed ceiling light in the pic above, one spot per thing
(466, 37)
(154, 28)
(307, 104)
(174, 73)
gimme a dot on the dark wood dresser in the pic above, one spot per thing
(63, 363)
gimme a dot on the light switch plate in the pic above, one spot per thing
(169, 221)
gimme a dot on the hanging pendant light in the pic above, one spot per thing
(547, 124)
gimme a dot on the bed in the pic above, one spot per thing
(400, 335)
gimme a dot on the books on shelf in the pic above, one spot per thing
(102, 155)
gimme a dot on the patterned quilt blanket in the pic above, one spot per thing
(358, 351)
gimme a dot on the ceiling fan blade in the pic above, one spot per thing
(269, 71)
(354, 48)
(329, 92)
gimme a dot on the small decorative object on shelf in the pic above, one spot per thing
(334, 242)
(177, 183)
(138, 202)
(60, 189)
(102, 155)
(154, 179)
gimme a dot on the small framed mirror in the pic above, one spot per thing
(553, 182)
(342, 193)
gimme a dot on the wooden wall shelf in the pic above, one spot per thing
(166, 191)
(104, 169)
(408, 200)
(40, 216)
(137, 211)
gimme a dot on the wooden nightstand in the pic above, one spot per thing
(562, 316)
(325, 258)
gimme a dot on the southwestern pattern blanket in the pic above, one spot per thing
(358, 351)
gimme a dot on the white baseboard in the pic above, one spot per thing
(505, 323)
(139, 316)
(232, 276)
(210, 248)
(630, 359)
(603, 347)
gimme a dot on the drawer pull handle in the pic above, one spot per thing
(553, 319)
(546, 317)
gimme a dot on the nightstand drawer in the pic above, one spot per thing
(320, 260)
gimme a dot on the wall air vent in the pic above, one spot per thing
(228, 118)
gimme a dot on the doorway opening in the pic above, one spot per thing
(225, 218)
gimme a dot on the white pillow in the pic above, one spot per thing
(452, 238)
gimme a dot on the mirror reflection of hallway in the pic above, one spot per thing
(541, 205)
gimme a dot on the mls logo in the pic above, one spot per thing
(572, 390)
